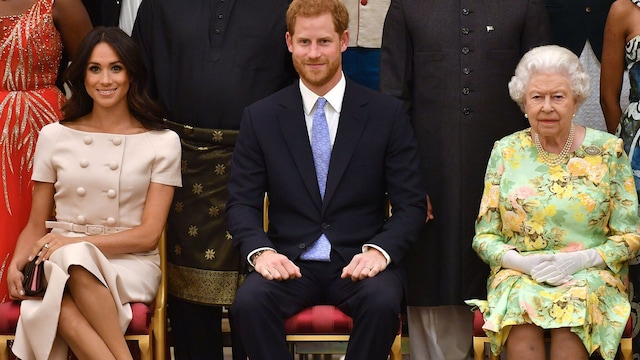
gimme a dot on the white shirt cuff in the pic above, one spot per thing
(366, 247)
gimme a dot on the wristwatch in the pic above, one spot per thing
(258, 253)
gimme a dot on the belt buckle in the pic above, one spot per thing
(94, 230)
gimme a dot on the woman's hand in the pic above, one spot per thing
(14, 280)
(44, 247)
(512, 259)
(560, 269)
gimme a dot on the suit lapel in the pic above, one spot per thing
(352, 123)
(294, 129)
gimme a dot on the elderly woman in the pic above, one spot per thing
(557, 222)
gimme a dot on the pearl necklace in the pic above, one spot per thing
(552, 159)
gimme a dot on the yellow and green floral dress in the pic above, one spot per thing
(589, 202)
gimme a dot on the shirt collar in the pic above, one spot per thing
(334, 96)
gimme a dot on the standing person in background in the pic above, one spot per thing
(621, 51)
(103, 12)
(208, 60)
(33, 34)
(452, 63)
(361, 61)
(128, 13)
(120, 13)
(578, 25)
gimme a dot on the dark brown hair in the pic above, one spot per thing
(141, 105)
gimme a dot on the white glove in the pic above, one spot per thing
(559, 270)
(513, 260)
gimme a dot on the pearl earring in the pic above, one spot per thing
(526, 116)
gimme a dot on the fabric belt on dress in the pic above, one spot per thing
(85, 229)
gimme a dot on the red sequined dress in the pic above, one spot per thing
(30, 53)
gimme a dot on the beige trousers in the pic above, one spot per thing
(440, 332)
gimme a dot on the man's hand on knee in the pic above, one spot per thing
(274, 266)
(365, 265)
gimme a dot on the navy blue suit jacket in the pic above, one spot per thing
(374, 153)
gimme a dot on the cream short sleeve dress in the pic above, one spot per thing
(101, 182)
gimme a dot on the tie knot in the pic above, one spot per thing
(321, 102)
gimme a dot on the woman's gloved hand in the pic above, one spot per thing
(513, 260)
(558, 270)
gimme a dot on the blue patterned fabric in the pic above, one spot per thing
(321, 148)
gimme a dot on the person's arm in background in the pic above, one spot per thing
(396, 54)
(396, 65)
(612, 69)
(73, 23)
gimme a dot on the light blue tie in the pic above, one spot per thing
(321, 148)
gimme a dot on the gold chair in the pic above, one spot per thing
(147, 328)
(151, 338)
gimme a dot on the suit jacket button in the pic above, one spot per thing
(325, 226)
(302, 246)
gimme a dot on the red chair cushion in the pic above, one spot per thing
(141, 321)
(319, 319)
(628, 330)
(478, 322)
(10, 311)
(9, 314)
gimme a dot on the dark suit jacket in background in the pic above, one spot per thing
(452, 60)
(207, 59)
(374, 153)
(573, 22)
(103, 12)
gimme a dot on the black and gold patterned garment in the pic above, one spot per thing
(203, 264)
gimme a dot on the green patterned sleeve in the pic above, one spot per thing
(623, 241)
(489, 241)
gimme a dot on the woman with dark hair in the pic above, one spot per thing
(139, 102)
(109, 171)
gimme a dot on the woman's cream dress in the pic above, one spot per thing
(101, 182)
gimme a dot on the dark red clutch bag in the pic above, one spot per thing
(34, 282)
